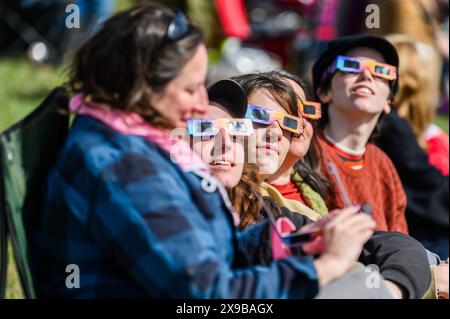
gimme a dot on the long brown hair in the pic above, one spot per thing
(246, 197)
(248, 201)
(130, 58)
(309, 166)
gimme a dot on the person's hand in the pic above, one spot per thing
(317, 245)
(344, 236)
(442, 281)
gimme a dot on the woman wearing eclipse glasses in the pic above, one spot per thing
(138, 219)
(298, 181)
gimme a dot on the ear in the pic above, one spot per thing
(387, 107)
(324, 96)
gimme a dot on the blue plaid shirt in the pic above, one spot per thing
(136, 225)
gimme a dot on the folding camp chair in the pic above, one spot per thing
(3, 252)
(27, 151)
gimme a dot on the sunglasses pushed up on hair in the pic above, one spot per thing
(178, 27)
(262, 115)
(234, 127)
(358, 65)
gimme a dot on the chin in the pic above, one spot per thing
(227, 183)
(300, 154)
(224, 178)
(366, 107)
(268, 168)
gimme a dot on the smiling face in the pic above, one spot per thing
(224, 153)
(353, 93)
(185, 95)
(271, 143)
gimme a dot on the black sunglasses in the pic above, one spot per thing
(178, 27)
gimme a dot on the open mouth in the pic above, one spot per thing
(362, 90)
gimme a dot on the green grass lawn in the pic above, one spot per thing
(23, 87)
(442, 121)
(13, 287)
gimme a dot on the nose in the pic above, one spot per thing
(202, 101)
(274, 132)
(365, 75)
(223, 141)
(302, 124)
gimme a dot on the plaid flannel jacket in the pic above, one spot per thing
(137, 226)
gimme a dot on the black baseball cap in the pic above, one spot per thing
(342, 45)
(230, 95)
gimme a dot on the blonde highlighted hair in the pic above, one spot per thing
(418, 94)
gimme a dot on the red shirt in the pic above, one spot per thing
(350, 160)
(290, 191)
(376, 183)
(437, 148)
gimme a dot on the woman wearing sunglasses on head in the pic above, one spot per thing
(222, 148)
(134, 208)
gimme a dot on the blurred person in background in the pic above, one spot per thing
(425, 21)
(418, 149)
(417, 99)
(259, 36)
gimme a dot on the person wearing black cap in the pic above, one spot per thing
(369, 175)
(229, 94)
(355, 79)
(228, 104)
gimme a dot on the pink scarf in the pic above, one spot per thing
(133, 124)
